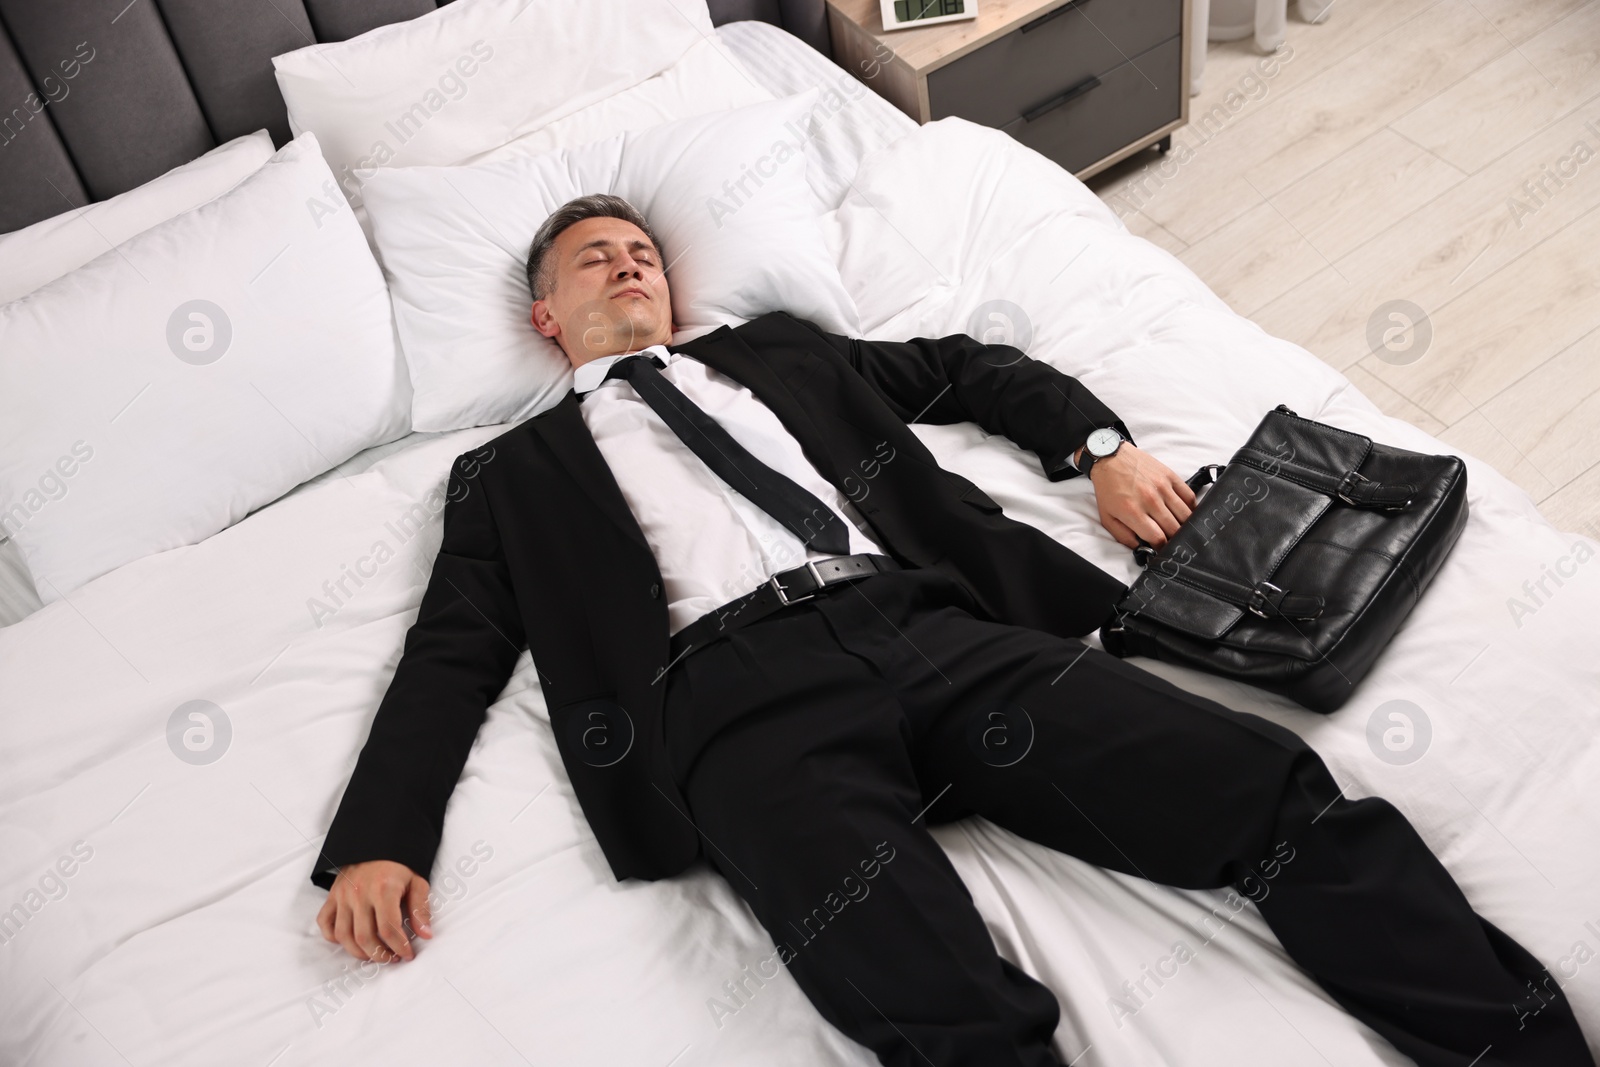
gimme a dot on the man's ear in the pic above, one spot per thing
(543, 319)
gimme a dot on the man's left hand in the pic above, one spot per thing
(1139, 497)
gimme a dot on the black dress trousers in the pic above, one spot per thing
(809, 743)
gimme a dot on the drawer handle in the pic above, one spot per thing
(1047, 16)
(1054, 102)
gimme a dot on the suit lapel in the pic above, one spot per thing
(564, 430)
(723, 350)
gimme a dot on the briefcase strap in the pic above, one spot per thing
(1263, 599)
(1350, 486)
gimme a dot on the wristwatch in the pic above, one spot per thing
(1101, 443)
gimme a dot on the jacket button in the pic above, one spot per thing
(655, 590)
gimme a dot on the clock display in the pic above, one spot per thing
(912, 10)
(903, 14)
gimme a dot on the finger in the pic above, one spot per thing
(364, 926)
(1142, 524)
(391, 934)
(391, 930)
(344, 931)
(1175, 502)
(325, 918)
(1162, 513)
(421, 915)
(1186, 494)
(1119, 530)
(1152, 500)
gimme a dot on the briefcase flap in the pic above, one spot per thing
(1243, 526)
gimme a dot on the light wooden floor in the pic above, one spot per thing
(1440, 152)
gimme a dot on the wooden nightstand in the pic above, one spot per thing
(1084, 82)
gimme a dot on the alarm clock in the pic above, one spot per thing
(904, 14)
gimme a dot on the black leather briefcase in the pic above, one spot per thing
(1299, 563)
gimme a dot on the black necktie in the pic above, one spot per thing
(801, 513)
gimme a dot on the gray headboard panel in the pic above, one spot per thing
(37, 178)
(229, 60)
(98, 96)
(97, 76)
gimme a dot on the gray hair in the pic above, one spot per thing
(542, 274)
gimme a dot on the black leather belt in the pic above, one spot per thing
(778, 592)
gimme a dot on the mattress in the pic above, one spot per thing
(184, 932)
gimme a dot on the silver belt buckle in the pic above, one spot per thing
(784, 599)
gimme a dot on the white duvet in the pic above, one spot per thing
(158, 907)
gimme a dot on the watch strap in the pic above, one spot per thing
(1088, 459)
(1059, 465)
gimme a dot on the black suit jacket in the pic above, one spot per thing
(541, 551)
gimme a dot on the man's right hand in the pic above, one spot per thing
(364, 910)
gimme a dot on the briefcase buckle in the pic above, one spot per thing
(1258, 598)
(1353, 481)
(1347, 485)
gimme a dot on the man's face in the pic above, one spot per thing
(610, 294)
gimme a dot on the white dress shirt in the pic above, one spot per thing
(711, 543)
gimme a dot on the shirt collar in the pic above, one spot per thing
(588, 377)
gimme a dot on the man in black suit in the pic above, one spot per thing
(773, 633)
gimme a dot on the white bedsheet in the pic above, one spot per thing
(185, 933)
(18, 597)
(863, 121)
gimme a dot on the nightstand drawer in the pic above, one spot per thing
(1089, 120)
(1042, 57)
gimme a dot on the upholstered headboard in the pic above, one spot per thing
(98, 96)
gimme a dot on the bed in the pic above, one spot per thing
(184, 933)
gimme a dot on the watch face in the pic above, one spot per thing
(1103, 441)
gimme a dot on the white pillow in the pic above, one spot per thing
(454, 241)
(470, 76)
(46, 250)
(202, 369)
(708, 77)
